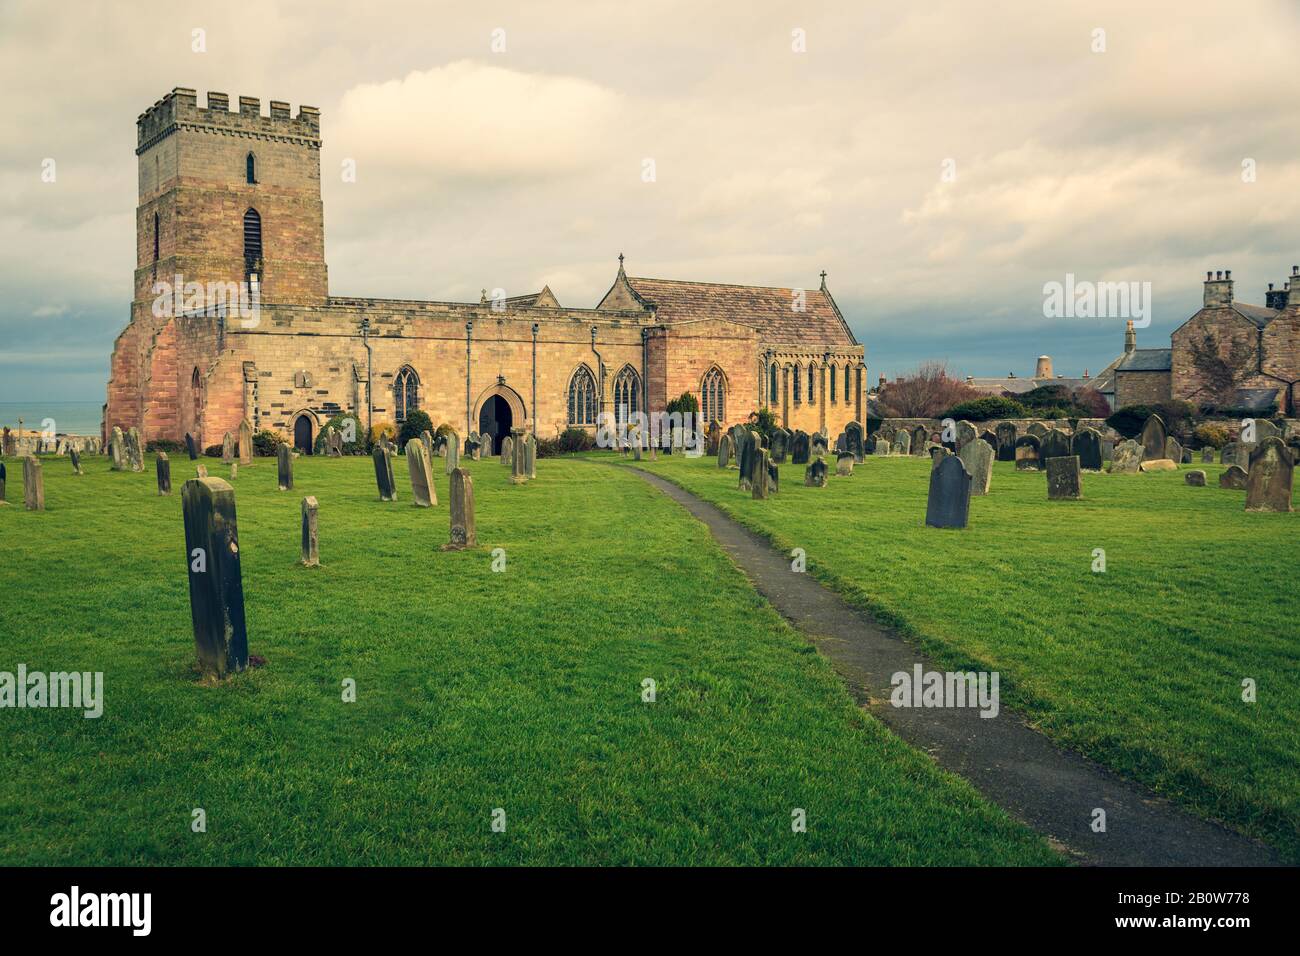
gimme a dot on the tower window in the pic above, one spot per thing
(250, 168)
(582, 397)
(252, 246)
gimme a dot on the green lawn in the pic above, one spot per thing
(476, 690)
(1139, 667)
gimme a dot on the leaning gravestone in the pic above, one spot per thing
(746, 457)
(814, 475)
(75, 456)
(192, 447)
(384, 473)
(1195, 478)
(1027, 457)
(473, 446)
(1086, 444)
(216, 583)
(508, 451)
(227, 449)
(902, 442)
(977, 456)
(948, 505)
(1153, 438)
(33, 485)
(801, 448)
(117, 449)
(1064, 478)
(1268, 483)
(463, 531)
(844, 463)
(1006, 432)
(779, 445)
(163, 467)
(1054, 444)
(310, 542)
(417, 463)
(761, 485)
(245, 443)
(724, 450)
(453, 452)
(853, 438)
(284, 467)
(1234, 478)
(1127, 459)
(336, 442)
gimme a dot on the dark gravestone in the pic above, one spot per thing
(725, 449)
(1268, 482)
(1234, 478)
(3, 478)
(818, 445)
(1187, 456)
(1195, 478)
(853, 438)
(715, 436)
(1086, 444)
(920, 436)
(844, 463)
(814, 475)
(1006, 446)
(948, 505)
(216, 584)
(1037, 429)
(761, 484)
(463, 531)
(163, 466)
(192, 447)
(1055, 444)
(1027, 458)
(310, 541)
(801, 448)
(1207, 456)
(1064, 478)
(1153, 438)
(284, 468)
(76, 460)
(773, 478)
(779, 445)
(384, 474)
(990, 439)
(747, 456)
(33, 485)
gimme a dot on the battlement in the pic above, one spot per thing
(179, 109)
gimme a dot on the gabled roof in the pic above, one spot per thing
(1147, 360)
(1259, 314)
(545, 299)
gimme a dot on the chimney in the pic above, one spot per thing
(1086, 376)
(1218, 290)
(1044, 369)
(1130, 338)
(882, 381)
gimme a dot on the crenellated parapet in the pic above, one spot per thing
(179, 109)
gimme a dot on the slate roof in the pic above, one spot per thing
(1147, 360)
(1018, 386)
(1260, 315)
(765, 308)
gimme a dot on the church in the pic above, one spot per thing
(230, 214)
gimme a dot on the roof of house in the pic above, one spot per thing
(768, 309)
(1018, 386)
(1260, 315)
(1147, 360)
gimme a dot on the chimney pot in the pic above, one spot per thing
(1209, 276)
(1227, 273)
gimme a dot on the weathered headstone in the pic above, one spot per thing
(245, 443)
(163, 467)
(724, 450)
(966, 433)
(937, 453)
(1107, 450)
(135, 449)
(747, 455)
(779, 445)
(216, 583)
(310, 542)
(1037, 429)
(426, 439)
(853, 438)
(33, 484)
(384, 473)
(1228, 454)
(920, 437)
(844, 463)
(948, 504)
(463, 532)
(519, 458)
(1006, 432)
(284, 467)
(508, 451)
(978, 456)
(453, 452)
(1173, 450)
(228, 449)
(800, 448)
(1054, 444)
(192, 447)
(814, 475)
(417, 463)
(75, 457)
(878, 445)
(1064, 478)
(1233, 478)
(530, 455)
(3, 478)
(760, 486)
(473, 446)
(336, 443)
(902, 442)
(819, 445)
(117, 449)
(715, 436)
(1268, 482)
(1158, 464)
(1027, 453)
(1153, 438)
(201, 471)
(1195, 478)
(1127, 458)
(1086, 444)
(1207, 455)
(234, 470)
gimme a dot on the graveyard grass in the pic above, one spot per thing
(475, 690)
(1140, 667)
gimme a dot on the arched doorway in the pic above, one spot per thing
(495, 420)
(302, 436)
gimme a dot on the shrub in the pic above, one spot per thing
(1211, 434)
(164, 444)
(212, 451)
(345, 424)
(416, 422)
(984, 409)
(1128, 421)
(381, 430)
(266, 442)
(568, 442)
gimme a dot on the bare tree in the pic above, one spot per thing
(923, 393)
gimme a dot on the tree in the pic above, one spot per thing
(1220, 373)
(925, 393)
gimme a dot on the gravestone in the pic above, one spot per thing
(1207, 456)
(853, 440)
(937, 453)
(1054, 444)
(773, 478)
(1005, 441)
(1127, 459)
(473, 446)
(920, 437)
(426, 439)
(216, 583)
(818, 445)
(800, 448)
(977, 457)
(1158, 464)
(228, 449)
(1266, 429)
(1268, 481)
(310, 542)
(417, 463)
(878, 445)
(715, 437)
(284, 467)
(1187, 456)
(1107, 450)
(902, 442)
(135, 449)
(746, 457)
(761, 485)
(201, 471)
(990, 439)
(384, 473)
(3, 477)
(948, 504)
(1234, 478)
(1086, 445)
(1153, 438)
(508, 451)
(724, 450)
(463, 531)
(336, 443)
(966, 434)
(844, 463)
(192, 447)
(637, 445)
(117, 450)
(245, 443)
(530, 455)
(1228, 454)
(779, 445)
(1037, 429)
(163, 467)
(1064, 478)
(1195, 478)
(814, 476)
(1027, 457)
(75, 457)
(234, 470)
(33, 484)
(453, 452)
(1173, 450)
(519, 458)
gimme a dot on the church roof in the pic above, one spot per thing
(768, 309)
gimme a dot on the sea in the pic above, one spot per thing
(67, 418)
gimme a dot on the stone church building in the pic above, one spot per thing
(231, 200)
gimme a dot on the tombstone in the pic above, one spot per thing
(1086, 445)
(814, 476)
(452, 447)
(163, 467)
(426, 439)
(384, 473)
(948, 504)
(724, 450)
(1207, 456)
(1195, 478)
(135, 449)
(1027, 453)
(966, 434)
(990, 439)
(937, 452)
(853, 435)
(746, 458)
(336, 443)
(878, 445)
(1234, 478)
(33, 484)
(3, 476)
(1266, 429)
(637, 447)
(7, 444)
(800, 448)
(216, 583)
(902, 442)
(1187, 456)
(76, 460)
(284, 467)
(227, 449)
(1153, 438)
(463, 533)
(201, 471)
(417, 463)
(245, 443)
(1107, 450)
(1128, 458)
(508, 451)
(760, 487)
(779, 445)
(715, 437)
(1064, 478)
(1268, 481)
(192, 447)
(920, 436)
(977, 457)
(473, 446)
(1173, 450)
(1054, 444)
(1037, 429)
(773, 478)
(310, 543)
(844, 463)
(117, 449)
(234, 470)
(530, 455)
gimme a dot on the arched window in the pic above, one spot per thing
(582, 397)
(812, 389)
(155, 237)
(253, 248)
(196, 396)
(834, 382)
(798, 384)
(627, 395)
(406, 392)
(773, 392)
(250, 168)
(713, 396)
(848, 389)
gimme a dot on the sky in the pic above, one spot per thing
(942, 161)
